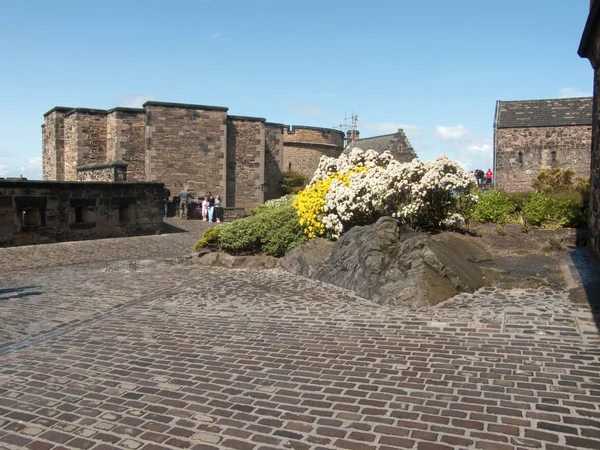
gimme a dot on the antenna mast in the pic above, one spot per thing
(350, 128)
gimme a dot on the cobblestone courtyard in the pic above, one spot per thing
(107, 345)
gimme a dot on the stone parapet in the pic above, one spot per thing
(36, 212)
(111, 171)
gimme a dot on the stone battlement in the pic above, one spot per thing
(201, 147)
(36, 212)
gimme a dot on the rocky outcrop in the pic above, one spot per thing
(389, 264)
(222, 259)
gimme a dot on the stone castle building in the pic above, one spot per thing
(589, 48)
(396, 143)
(535, 135)
(200, 147)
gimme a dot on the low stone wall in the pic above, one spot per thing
(36, 212)
(110, 171)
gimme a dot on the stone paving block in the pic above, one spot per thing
(145, 355)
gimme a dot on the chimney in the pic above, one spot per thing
(351, 137)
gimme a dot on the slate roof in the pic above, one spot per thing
(544, 113)
(377, 143)
(397, 143)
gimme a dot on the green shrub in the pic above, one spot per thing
(494, 206)
(554, 180)
(549, 211)
(272, 230)
(210, 238)
(293, 182)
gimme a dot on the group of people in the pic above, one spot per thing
(211, 208)
(482, 177)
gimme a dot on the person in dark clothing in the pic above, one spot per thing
(166, 195)
(183, 203)
(218, 209)
(211, 206)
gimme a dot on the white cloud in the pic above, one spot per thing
(134, 100)
(309, 110)
(33, 169)
(568, 92)
(218, 36)
(480, 148)
(451, 133)
(412, 131)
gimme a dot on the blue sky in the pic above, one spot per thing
(432, 67)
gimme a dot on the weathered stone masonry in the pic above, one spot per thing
(589, 48)
(200, 147)
(535, 135)
(37, 212)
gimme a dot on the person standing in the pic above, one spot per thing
(204, 208)
(166, 195)
(218, 209)
(183, 204)
(489, 176)
(211, 206)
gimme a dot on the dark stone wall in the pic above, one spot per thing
(186, 146)
(36, 212)
(273, 160)
(245, 162)
(522, 153)
(595, 168)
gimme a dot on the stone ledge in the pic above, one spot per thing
(62, 109)
(185, 106)
(103, 165)
(126, 110)
(276, 125)
(292, 129)
(88, 111)
(247, 118)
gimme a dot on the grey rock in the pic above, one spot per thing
(389, 264)
(307, 259)
(222, 259)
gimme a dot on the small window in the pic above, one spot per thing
(290, 166)
(84, 214)
(32, 217)
(553, 159)
(126, 213)
(521, 159)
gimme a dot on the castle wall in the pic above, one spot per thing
(304, 146)
(245, 161)
(111, 137)
(595, 168)
(126, 141)
(273, 159)
(400, 148)
(53, 145)
(70, 148)
(522, 153)
(36, 212)
(85, 139)
(186, 145)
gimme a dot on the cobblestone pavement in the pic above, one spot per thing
(181, 237)
(150, 354)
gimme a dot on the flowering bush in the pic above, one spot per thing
(359, 187)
